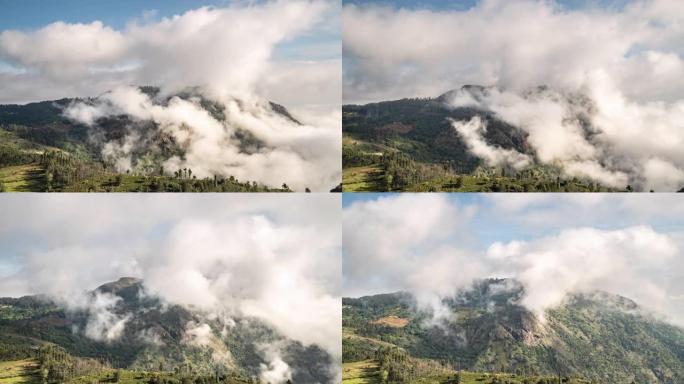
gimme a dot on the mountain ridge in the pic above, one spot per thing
(410, 144)
(490, 331)
(43, 149)
(154, 333)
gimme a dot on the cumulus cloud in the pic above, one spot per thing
(195, 48)
(252, 267)
(405, 243)
(228, 56)
(626, 262)
(274, 259)
(626, 62)
(440, 258)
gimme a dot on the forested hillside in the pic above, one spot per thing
(411, 145)
(598, 338)
(159, 343)
(42, 149)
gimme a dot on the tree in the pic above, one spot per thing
(117, 375)
(48, 180)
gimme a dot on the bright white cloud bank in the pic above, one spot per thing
(275, 258)
(433, 252)
(628, 62)
(228, 53)
(228, 50)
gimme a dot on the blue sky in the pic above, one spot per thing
(434, 244)
(33, 14)
(466, 4)
(26, 15)
(309, 49)
(539, 215)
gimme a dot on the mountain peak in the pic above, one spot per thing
(475, 90)
(125, 286)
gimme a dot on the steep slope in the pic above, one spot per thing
(421, 129)
(153, 334)
(596, 336)
(413, 145)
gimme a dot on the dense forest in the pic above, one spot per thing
(410, 145)
(45, 342)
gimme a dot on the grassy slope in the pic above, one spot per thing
(26, 372)
(23, 178)
(19, 371)
(362, 179)
(367, 372)
(361, 372)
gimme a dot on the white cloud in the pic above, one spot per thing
(626, 262)
(406, 242)
(64, 50)
(227, 50)
(273, 258)
(473, 132)
(228, 54)
(386, 248)
(628, 62)
(514, 45)
(275, 371)
(299, 155)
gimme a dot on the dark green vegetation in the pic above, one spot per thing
(410, 145)
(592, 338)
(42, 150)
(155, 347)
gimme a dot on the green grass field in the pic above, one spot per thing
(20, 371)
(362, 179)
(367, 372)
(361, 372)
(22, 178)
(127, 377)
(109, 183)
